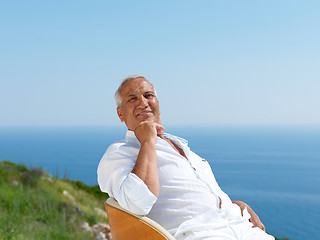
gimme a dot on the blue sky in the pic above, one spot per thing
(212, 62)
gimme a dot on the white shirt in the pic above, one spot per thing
(189, 194)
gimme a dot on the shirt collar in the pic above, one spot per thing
(175, 138)
(131, 136)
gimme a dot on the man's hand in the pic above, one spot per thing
(255, 220)
(146, 167)
(148, 132)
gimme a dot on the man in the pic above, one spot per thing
(156, 174)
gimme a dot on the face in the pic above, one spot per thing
(139, 103)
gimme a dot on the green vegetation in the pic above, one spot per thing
(35, 205)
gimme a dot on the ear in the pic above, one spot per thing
(119, 112)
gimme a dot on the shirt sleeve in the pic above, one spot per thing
(116, 179)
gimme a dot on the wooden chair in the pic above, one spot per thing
(127, 226)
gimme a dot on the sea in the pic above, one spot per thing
(276, 170)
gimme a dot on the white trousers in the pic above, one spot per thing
(240, 231)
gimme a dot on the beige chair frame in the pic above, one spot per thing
(127, 226)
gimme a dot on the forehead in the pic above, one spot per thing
(136, 86)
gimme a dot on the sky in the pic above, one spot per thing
(212, 62)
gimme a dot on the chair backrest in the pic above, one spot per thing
(125, 225)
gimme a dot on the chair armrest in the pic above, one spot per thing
(126, 225)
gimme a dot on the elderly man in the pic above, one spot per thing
(156, 174)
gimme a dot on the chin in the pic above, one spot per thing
(146, 118)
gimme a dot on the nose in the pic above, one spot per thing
(143, 102)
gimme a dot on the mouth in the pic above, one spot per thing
(143, 113)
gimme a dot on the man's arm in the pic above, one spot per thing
(146, 167)
(255, 220)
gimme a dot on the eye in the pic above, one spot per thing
(132, 99)
(149, 95)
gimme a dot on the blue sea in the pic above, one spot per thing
(275, 170)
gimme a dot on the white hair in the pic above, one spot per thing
(117, 95)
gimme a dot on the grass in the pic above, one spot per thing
(32, 205)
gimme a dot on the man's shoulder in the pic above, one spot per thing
(116, 145)
(122, 146)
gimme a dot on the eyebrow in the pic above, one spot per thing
(149, 92)
(134, 94)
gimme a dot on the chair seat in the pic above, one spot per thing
(127, 226)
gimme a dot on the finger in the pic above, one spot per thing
(160, 129)
(259, 225)
(159, 126)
